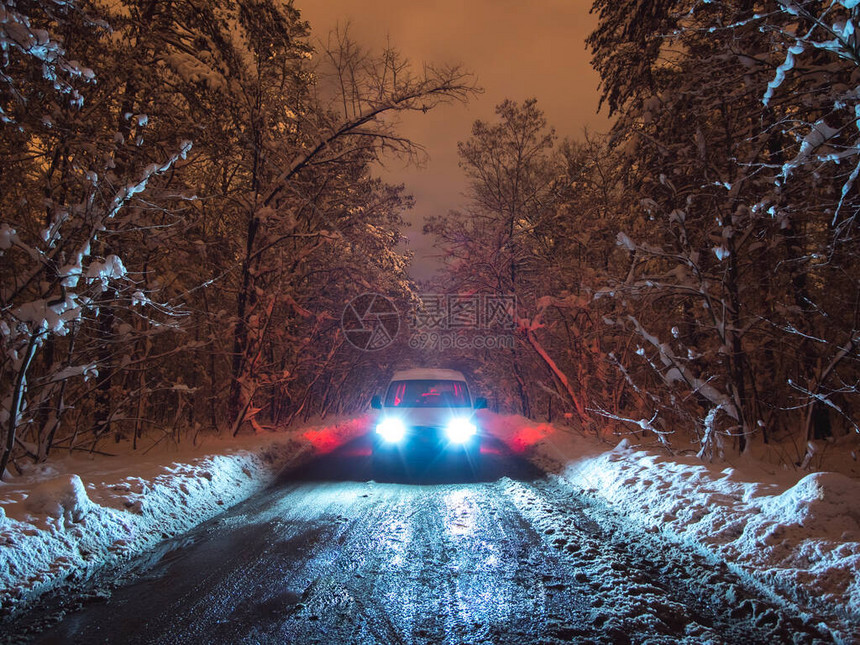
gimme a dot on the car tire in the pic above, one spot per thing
(472, 455)
(383, 464)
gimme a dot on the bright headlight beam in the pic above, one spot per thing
(391, 429)
(460, 430)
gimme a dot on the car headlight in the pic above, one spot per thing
(391, 429)
(460, 430)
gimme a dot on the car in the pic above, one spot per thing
(424, 414)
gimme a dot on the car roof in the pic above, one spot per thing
(428, 373)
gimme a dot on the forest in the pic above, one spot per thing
(190, 199)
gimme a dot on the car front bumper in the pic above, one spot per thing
(424, 439)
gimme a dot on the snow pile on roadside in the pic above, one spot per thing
(64, 520)
(803, 540)
(792, 531)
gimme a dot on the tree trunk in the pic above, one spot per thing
(15, 407)
(560, 376)
(103, 393)
(521, 388)
(737, 358)
(244, 304)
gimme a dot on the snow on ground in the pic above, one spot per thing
(784, 529)
(62, 521)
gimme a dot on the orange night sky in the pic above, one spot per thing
(517, 49)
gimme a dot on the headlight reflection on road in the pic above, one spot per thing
(480, 598)
(396, 540)
(461, 511)
(443, 569)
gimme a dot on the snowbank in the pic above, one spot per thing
(62, 521)
(803, 540)
(794, 532)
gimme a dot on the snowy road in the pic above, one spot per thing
(505, 556)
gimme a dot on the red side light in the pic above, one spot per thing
(323, 440)
(528, 436)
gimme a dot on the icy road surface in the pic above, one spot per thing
(503, 555)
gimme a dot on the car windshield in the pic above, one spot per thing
(429, 393)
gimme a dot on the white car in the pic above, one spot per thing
(427, 410)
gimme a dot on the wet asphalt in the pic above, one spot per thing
(345, 551)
